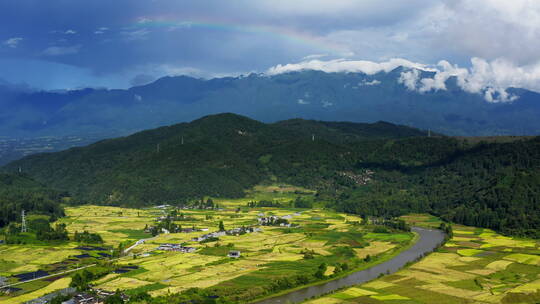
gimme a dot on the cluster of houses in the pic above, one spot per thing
(359, 179)
(178, 230)
(177, 248)
(234, 231)
(97, 297)
(282, 221)
(93, 296)
(186, 207)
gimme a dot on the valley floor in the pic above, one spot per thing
(475, 266)
(273, 258)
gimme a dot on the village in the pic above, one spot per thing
(272, 220)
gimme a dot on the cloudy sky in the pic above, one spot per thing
(102, 43)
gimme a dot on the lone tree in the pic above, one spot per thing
(221, 226)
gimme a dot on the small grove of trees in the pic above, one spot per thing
(209, 240)
(340, 267)
(447, 228)
(287, 283)
(81, 280)
(42, 229)
(191, 295)
(175, 216)
(302, 203)
(299, 202)
(397, 224)
(264, 203)
(59, 233)
(167, 224)
(308, 254)
(116, 298)
(319, 274)
(202, 204)
(276, 222)
(87, 238)
(221, 226)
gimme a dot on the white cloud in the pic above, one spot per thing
(303, 102)
(374, 82)
(136, 35)
(489, 78)
(101, 30)
(409, 79)
(13, 42)
(70, 32)
(491, 29)
(342, 65)
(314, 56)
(62, 50)
(326, 104)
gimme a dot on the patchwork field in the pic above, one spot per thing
(475, 266)
(269, 257)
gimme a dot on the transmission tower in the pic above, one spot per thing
(23, 222)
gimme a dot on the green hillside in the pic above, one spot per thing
(19, 192)
(220, 155)
(369, 169)
(495, 185)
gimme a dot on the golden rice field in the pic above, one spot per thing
(180, 271)
(272, 253)
(475, 266)
(54, 286)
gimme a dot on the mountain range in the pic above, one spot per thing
(308, 94)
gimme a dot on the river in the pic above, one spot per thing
(428, 240)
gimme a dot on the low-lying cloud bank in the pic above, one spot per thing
(490, 78)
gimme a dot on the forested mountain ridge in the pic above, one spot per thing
(219, 155)
(308, 94)
(19, 192)
(492, 185)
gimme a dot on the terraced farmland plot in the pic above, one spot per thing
(271, 254)
(475, 266)
(267, 255)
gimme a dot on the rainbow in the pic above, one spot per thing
(293, 36)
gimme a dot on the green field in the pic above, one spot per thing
(269, 257)
(475, 266)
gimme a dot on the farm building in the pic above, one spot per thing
(234, 254)
(176, 247)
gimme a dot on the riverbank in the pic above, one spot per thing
(475, 265)
(428, 240)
